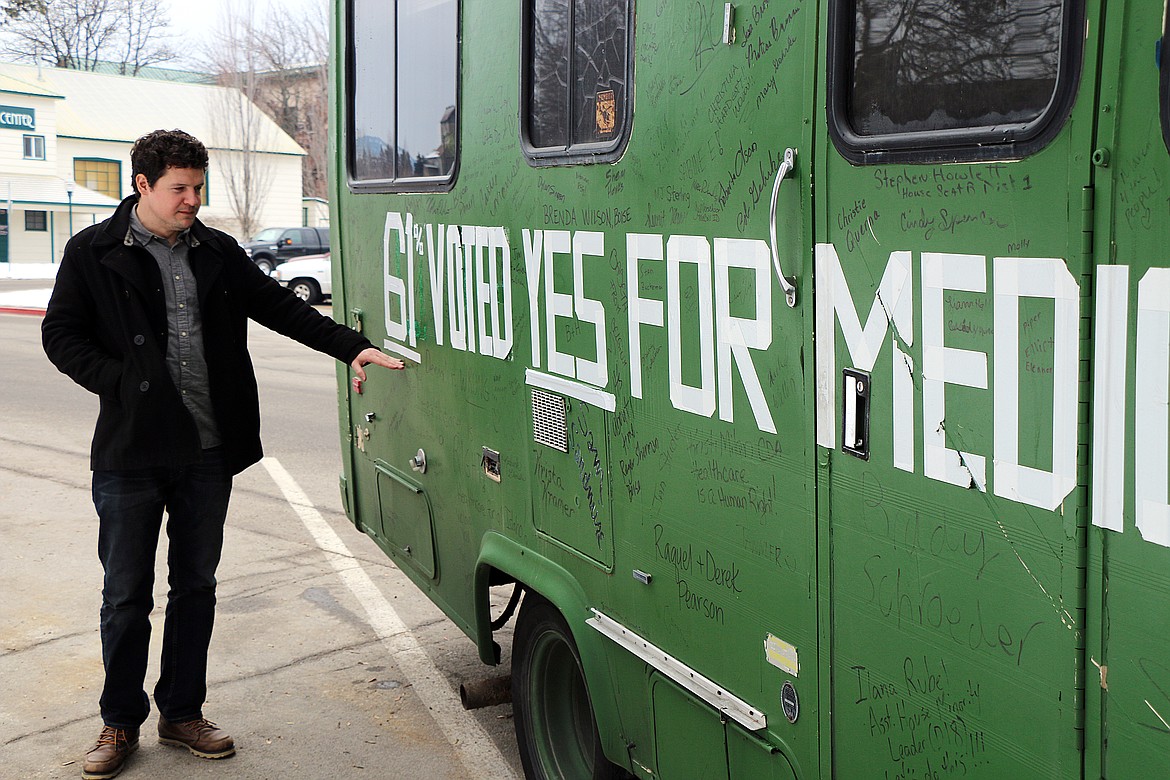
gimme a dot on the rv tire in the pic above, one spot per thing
(555, 726)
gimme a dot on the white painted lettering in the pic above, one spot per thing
(944, 365)
(1152, 407)
(1110, 358)
(736, 335)
(456, 297)
(589, 244)
(395, 287)
(436, 262)
(1016, 278)
(893, 303)
(533, 253)
(696, 251)
(556, 304)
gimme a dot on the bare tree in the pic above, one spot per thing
(61, 33)
(294, 86)
(142, 37)
(287, 58)
(10, 9)
(240, 126)
(80, 34)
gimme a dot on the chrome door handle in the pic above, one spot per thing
(788, 283)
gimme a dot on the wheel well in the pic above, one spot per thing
(502, 560)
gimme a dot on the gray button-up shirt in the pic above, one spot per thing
(185, 355)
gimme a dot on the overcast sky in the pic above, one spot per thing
(192, 21)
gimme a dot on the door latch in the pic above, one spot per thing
(855, 431)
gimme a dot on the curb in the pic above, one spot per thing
(21, 310)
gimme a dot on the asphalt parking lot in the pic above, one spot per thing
(326, 661)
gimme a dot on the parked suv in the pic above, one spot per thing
(272, 246)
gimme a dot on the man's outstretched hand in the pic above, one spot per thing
(376, 357)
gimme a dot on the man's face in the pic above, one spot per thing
(169, 207)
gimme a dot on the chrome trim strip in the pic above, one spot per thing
(729, 705)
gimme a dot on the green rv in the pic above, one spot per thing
(804, 365)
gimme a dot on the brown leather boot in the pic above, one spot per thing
(105, 759)
(200, 736)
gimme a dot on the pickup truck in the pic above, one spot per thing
(273, 246)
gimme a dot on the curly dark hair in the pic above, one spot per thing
(154, 152)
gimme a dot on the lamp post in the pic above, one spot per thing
(69, 194)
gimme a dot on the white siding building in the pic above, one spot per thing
(65, 138)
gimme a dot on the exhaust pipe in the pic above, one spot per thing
(485, 693)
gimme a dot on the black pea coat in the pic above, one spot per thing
(106, 328)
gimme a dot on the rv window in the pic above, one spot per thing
(403, 66)
(943, 74)
(427, 58)
(576, 70)
(371, 91)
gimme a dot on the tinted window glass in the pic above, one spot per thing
(549, 110)
(576, 74)
(599, 83)
(372, 90)
(403, 83)
(427, 35)
(941, 65)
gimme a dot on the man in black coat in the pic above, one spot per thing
(150, 312)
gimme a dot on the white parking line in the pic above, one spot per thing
(475, 749)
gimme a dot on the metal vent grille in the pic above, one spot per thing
(548, 420)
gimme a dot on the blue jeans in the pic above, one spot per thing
(130, 508)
